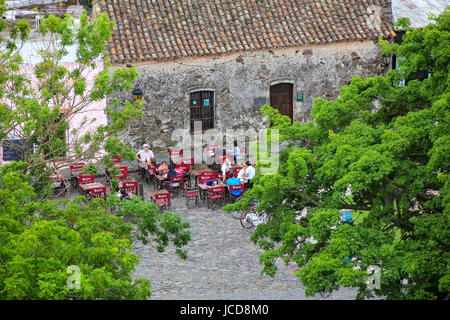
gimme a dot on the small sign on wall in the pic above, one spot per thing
(299, 96)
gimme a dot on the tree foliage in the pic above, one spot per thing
(40, 240)
(382, 150)
(41, 103)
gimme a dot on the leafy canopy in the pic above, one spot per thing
(383, 151)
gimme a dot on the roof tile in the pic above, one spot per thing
(154, 29)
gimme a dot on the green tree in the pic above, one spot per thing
(39, 105)
(382, 150)
(40, 240)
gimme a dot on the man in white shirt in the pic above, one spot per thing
(246, 174)
(145, 155)
(226, 166)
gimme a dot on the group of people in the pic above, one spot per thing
(245, 175)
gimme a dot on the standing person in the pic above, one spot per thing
(236, 152)
(145, 155)
(251, 174)
(226, 167)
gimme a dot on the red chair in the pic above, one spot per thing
(123, 172)
(210, 174)
(187, 161)
(236, 171)
(215, 195)
(116, 160)
(183, 167)
(190, 194)
(201, 179)
(162, 200)
(76, 168)
(233, 197)
(99, 192)
(150, 173)
(178, 154)
(175, 185)
(131, 186)
(86, 178)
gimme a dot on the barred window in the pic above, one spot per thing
(202, 109)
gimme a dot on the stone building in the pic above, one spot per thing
(219, 61)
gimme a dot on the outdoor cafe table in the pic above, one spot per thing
(87, 187)
(204, 188)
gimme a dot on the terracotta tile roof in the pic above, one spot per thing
(167, 29)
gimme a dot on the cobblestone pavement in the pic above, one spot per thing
(222, 264)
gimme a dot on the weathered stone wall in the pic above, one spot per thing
(242, 85)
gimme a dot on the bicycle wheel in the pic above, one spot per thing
(238, 214)
(246, 222)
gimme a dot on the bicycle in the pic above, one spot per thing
(253, 218)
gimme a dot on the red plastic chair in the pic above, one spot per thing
(116, 160)
(210, 174)
(236, 171)
(123, 172)
(215, 195)
(233, 197)
(76, 168)
(190, 194)
(99, 192)
(187, 161)
(183, 167)
(162, 200)
(86, 178)
(131, 186)
(175, 185)
(178, 153)
(201, 179)
(149, 175)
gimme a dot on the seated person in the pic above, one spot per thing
(171, 173)
(246, 174)
(154, 163)
(145, 155)
(232, 181)
(163, 169)
(59, 181)
(121, 192)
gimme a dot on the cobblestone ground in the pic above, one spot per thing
(222, 264)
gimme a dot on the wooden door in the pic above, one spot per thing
(281, 99)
